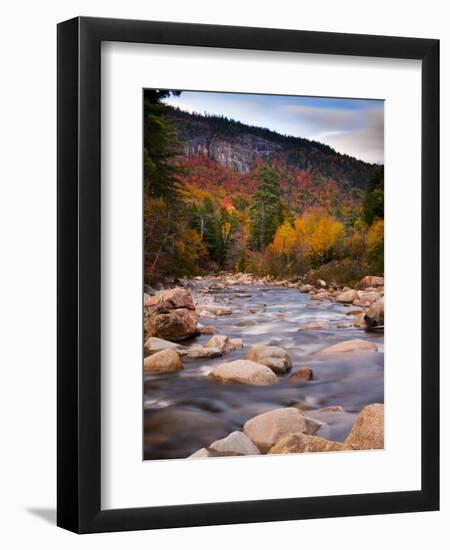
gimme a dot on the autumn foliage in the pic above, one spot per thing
(276, 219)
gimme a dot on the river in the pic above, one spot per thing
(186, 410)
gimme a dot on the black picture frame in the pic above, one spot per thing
(79, 276)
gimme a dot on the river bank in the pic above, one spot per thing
(190, 408)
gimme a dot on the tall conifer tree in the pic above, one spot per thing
(266, 212)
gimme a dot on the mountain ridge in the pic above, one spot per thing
(239, 146)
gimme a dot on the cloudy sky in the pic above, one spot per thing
(351, 126)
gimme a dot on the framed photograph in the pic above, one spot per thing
(248, 288)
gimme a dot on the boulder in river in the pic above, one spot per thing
(154, 344)
(350, 346)
(347, 297)
(305, 288)
(321, 283)
(224, 343)
(304, 443)
(167, 300)
(374, 316)
(170, 315)
(166, 360)
(368, 430)
(201, 352)
(236, 442)
(175, 325)
(242, 371)
(371, 281)
(268, 428)
(274, 357)
(304, 374)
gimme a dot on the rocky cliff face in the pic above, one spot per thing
(238, 154)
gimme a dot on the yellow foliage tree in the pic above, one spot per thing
(375, 235)
(284, 239)
(375, 246)
(313, 238)
(325, 236)
(316, 234)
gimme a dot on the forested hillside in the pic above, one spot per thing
(223, 195)
(238, 146)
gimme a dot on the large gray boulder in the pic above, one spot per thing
(242, 371)
(268, 428)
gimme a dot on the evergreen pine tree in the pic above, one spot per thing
(160, 147)
(266, 212)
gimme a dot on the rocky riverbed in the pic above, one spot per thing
(235, 365)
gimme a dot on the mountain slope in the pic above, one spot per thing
(239, 146)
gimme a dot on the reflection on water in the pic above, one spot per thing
(185, 411)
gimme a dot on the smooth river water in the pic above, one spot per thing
(186, 410)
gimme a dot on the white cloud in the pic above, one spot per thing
(356, 132)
